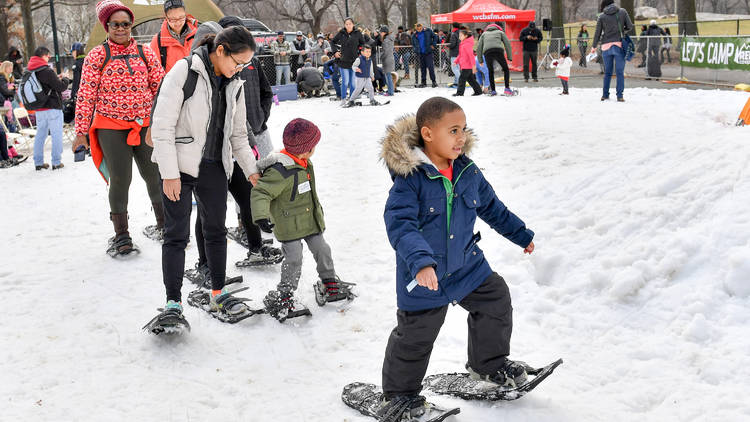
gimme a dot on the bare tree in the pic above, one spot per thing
(383, 9)
(686, 17)
(310, 12)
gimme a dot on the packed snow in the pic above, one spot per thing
(640, 279)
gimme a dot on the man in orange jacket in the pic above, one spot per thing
(176, 36)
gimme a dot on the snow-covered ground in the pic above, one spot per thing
(640, 280)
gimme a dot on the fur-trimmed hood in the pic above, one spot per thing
(400, 149)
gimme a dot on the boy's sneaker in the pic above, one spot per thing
(173, 307)
(282, 305)
(402, 408)
(332, 290)
(511, 374)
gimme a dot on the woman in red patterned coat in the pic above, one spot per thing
(119, 83)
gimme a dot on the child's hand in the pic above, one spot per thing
(426, 277)
(253, 179)
(356, 69)
(529, 249)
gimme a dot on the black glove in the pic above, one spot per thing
(265, 225)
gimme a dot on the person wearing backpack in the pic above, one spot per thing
(116, 119)
(175, 39)
(200, 125)
(41, 90)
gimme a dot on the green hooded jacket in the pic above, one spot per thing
(285, 194)
(492, 37)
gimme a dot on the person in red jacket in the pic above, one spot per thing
(119, 82)
(174, 40)
(467, 62)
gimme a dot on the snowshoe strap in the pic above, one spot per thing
(402, 404)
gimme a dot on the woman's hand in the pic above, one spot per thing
(149, 142)
(253, 179)
(172, 188)
(80, 141)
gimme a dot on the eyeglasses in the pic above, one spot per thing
(116, 25)
(177, 20)
(239, 65)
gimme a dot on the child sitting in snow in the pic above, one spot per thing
(285, 202)
(562, 68)
(437, 194)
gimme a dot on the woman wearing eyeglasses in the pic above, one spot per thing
(119, 82)
(176, 36)
(195, 139)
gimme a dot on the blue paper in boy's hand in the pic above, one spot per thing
(411, 285)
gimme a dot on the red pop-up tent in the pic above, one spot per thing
(492, 11)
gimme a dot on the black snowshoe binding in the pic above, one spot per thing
(266, 255)
(169, 321)
(121, 246)
(154, 232)
(332, 290)
(283, 305)
(368, 400)
(201, 277)
(239, 235)
(225, 306)
(494, 387)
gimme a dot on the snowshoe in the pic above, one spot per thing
(154, 232)
(201, 276)
(267, 255)
(468, 387)
(225, 306)
(332, 290)
(169, 321)
(511, 374)
(239, 235)
(121, 246)
(368, 400)
(373, 103)
(282, 306)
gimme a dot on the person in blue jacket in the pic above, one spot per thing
(424, 42)
(437, 194)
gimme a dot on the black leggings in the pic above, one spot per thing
(240, 188)
(210, 190)
(467, 76)
(3, 145)
(496, 55)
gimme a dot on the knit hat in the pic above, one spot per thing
(173, 4)
(76, 47)
(228, 21)
(384, 28)
(279, 32)
(321, 36)
(300, 136)
(105, 9)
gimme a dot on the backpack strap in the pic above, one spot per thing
(108, 55)
(162, 51)
(192, 80)
(143, 56)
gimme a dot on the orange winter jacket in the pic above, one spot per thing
(168, 49)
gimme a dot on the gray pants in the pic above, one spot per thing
(362, 84)
(263, 141)
(291, 268)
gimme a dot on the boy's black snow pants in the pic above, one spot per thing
(210, 190)
(409, 347)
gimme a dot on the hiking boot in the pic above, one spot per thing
(434, 84)
(620, 100)
(58, 166)
(605, 98)
(44, 166)
(226, 303)
(511, 374)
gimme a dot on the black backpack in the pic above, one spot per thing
(108, 57)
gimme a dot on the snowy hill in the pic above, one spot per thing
(640, 280)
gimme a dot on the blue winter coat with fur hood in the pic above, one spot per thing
(430, 220)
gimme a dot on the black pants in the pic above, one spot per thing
(409, 347)
(564, 84)
(529, 56)
(210, 190)
(308, 88)
(497, 55)
(467, 76)
(240, 188)
(3, 145)
(427, 63)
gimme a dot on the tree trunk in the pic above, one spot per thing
(686, 17)
(558, 20)
(629, 7)
(411, 13)
(28, 28)
(4, 39)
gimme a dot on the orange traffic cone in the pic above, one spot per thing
(744, 118)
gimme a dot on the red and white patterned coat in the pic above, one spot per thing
(115, 93)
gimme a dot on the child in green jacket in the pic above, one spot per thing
(285, 202)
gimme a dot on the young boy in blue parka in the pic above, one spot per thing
(437, 194)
